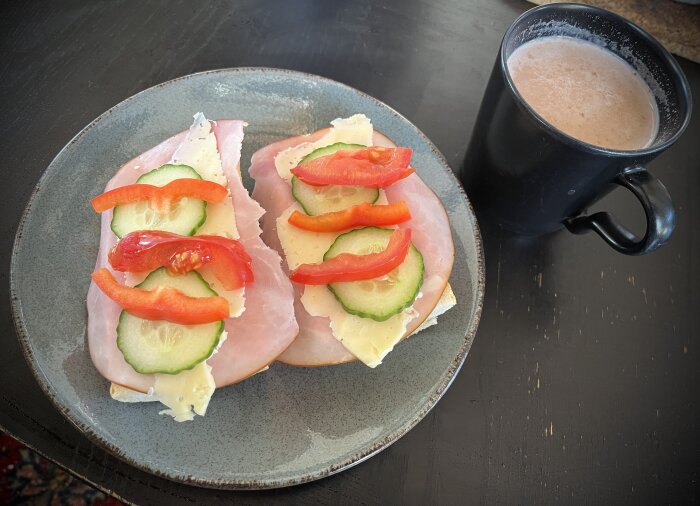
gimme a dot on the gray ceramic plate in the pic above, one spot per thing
(288, 425)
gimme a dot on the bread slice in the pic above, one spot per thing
(447, 301)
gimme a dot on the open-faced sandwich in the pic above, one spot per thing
(185, 296)
(367, 243)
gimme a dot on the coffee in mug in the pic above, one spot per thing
(578, 102)
(585, 91)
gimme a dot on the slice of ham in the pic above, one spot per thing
(259, 335)
(315, 345)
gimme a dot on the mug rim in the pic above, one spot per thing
(668, 59)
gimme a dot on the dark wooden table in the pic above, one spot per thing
(582, 383)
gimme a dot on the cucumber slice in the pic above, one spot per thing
(325, 199)
(167, 173)
(184, 219)
(329, 150)
(154, 346)
(383, 297)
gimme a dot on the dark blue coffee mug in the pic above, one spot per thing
(533, 178)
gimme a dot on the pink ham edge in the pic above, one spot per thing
(268, 325)
(315, 344)
(255, 339)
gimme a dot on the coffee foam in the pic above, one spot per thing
(618, 43)
(586, 91)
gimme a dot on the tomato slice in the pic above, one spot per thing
(351, 267)
(163, 303)
(360, 215)
(147, 250)
(374, 167)
(162, 197)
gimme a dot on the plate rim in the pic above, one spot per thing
(249, 484)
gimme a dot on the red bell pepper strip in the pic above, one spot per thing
(374, 167)
(351, 267)
(163, 303)
(162, 197)
(360, 215)
(147, 250)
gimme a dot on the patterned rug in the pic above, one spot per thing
(27, 478)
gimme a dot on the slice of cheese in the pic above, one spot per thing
(356, 129)
(302, 246)
(221, 220)
(186, 393)
(200, 152)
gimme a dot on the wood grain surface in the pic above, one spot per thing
(581, 385)
(675, 24)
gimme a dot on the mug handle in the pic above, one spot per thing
(661, 216)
